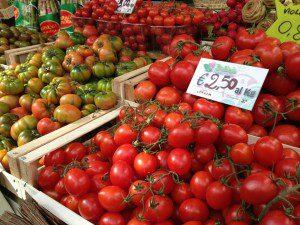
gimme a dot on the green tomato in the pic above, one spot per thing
(104, 85)
(81, 73)
(11, 85)
(27, 136)
(53, 53)
(88, 109)
(49, 70)
(31, 72)
(105, 100)
(103, 69)
(125, 67)
(77, 38)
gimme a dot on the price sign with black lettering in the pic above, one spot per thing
(229, 83)
(287, 25)
(125, 6)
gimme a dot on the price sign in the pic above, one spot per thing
(229, 83)
(287, 25)
(125, 6)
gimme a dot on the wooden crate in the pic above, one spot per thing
(19, 55)
(16, 153)
(118, 82)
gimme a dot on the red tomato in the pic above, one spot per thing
(181, 136)
(188, 98)
(139, 191)
(125, 152)
(97, 167)
(145, 164)
(221, 168)
(193, 209)
(112, 219)
(149, 136)
(48, 177)
(89, 30)
(162, 182)
(144, 91)
(246, 40)
(287, 134)
(199, 183)
(246, 57)
(222, 47)
(99, 181)
(288, 48)
(71, 202)
(276, 217)
(89, 207)
(236, 213)
(182, 44)
(75, 151)
(162, 211)
(218, 196)
(209, 108)
(194, 57)
(179, 161)
(168, 96)
(207, 133)
(181, 192)
(292, 63)
(46, 126)
(124, 135)
(121, 174)
(159, 73)
(112, 198)
(107, 145)
(241, 153)
(77, 182)
(257, 131)
(258, 189)
(205, 153)
(267, 110)
(55, 158)
(172, 120)
(60, 188)
(162, 157)
(270, 56)
(290, 153)
(238, 116)
(181, 75)
(232, 134)
(286, 167)
(136, 221)
(268, 146)
(292, 105)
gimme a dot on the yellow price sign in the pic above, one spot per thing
(287, 25)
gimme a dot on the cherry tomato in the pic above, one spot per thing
(292, 63)
(124, 135)
(218, 196)
(207, 133)
(199, 183)
(77, 182)
(121, 174)
(179, 161)
(181, 192)
(181, 136)
(112, 219)
(276, 217)
(48, 177)
(181, 75)
(193, 209)
(232, 134)
(241, 153)
(287, 134)
(238, 116)
(159, 73)
(222, 47)
(162, 211)
(125, 152)
(144, 164)
(89, 207)
(112, 198)
(144, 91)
(139, 191)
(168, 96)
(209, 108)
(205, 153)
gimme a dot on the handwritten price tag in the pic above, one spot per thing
(287, 25)
(229, 83)
(125, 6)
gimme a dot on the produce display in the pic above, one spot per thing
(61, 84)
(174, 165)
(17, 37)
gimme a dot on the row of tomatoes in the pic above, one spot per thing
(174, 165)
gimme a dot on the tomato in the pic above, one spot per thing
(276, 217)
(48, 177)
(193, 209)
(144, 91)
(209, 130)
(188, 98)
(287, 134)
(204, 153)
(193, 223)
(136, 221)
(19, 111)
(232, 134)
(181, 192)
(75, 151)
(292, 63)
(124, 135)
(52, 194)
(258, 189)
(172, 120)
(194, 57)
(267, 110)
(55, 158)
(269, 146)
(99, 181)
(238, 116)
(158, 208)
(121, 174)
(292, 105)
(89, 30)
(139, 192)
(97, 167)
(105, 100)
(179, 161)
(145, 164)
(71, 99)
(125, 152)
(246, 57)
(236, 213)
(168, 96)
(71, 202)
(181, 136)
(279, 84)
(199, 183)
(181, 45)
(290, 153)
(241, 153)
(112, 219)
(11, 85)
(159, 73)
(221, 168)
(209, 108)
(107, 144)
(27, 122)
(257, 131)
(162, 182)
(288, 48)
(222, 47)
(89, 207)
(112, 198)
(249, 39)
(218, 196)
(77, 182)
(42, 109)
(181, 75)
(47, 125)
(270, 56)
(150, 136)
(27, 136)
(286, 167)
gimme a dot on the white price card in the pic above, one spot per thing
(125, 6)
(229, 83)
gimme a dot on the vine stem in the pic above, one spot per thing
(279, 197)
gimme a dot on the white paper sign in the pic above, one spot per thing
(229, 83)
(125, 6)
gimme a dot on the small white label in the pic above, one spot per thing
(125, 6)
(229, 83)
